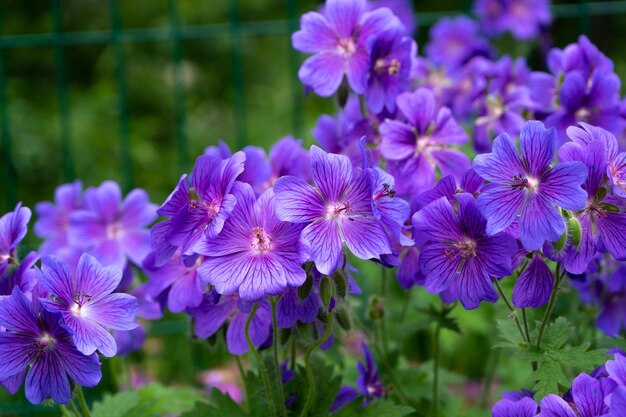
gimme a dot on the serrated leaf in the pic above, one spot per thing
(117, 405)
(326, 385)
(375, 409)
(509, 334)
(582, 358)
(548, 375)
(557, 333)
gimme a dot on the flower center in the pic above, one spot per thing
(261, 241)
(521, 182)
(595, 210)
(466, 247)
(80, 299)
(390, 67)
(583, 114)
(346, 46)
(45, 341)
(113, 230)
(335, 210)
(211, 208)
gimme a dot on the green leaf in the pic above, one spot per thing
(548, 375)
(557, 333)
(117, 405)
(509, 335)
(326, 385)
(221, 405)
(375, 409)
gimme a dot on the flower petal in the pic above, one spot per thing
(534, 286)
(537, 147)
(297, 201)
(562, 185)
(323, 237)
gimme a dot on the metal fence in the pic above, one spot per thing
(177, 34)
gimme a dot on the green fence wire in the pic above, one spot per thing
(176, 34)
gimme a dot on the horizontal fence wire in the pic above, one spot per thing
(176, 34)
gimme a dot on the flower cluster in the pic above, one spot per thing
(56, 317)
(603, 393)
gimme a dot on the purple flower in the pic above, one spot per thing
(34, 340)
(288, 157)
(603, 216)
(617, 369)
(390, 67)
(617, 174)
(53, 218)
(110, 229)
(527, 187)
(210, 317)
(524, 407)
(453, 41)
(291, 309)
(256, 254)
(588, 394)
(457, 251)
(523, 18)
(421, 143)
(368, 384)
(338, 209)
(338, 40)
(618, 402)
(198, 207)
(179, 275)
(13, 228)
(23, 276)
(87, 303)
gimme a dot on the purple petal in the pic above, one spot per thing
(418, 108)
(47, 379)
(345, 396)
(573, 91)
(56, 276)
(178, 199)
(534, 286)
(90, 336)
(17, 313)
(94, 279)
(331, 173)
(315, 34)
(226, 273)
(114, 311)
(398, 140)
(437, 221)
(525, 407)
(617, 369)
(440, 268)
(104, 201)
(297, 201)
(502, 164)
(256, 168)
(537, 146)
(210, 317)
(137, 211)
(611, 228)
(265, 277)
(562, 185)
(13, 383)
(365, 238)
(589, 394)
(500, 205)
(323, 73)
(357, 72)
(474, 284)
(554, 406)
(260, 327)
(540, 221)
(344, 15)
(451, 162)
(323, 237)
(13, 228)
(16, 351)
(186, 292)
(85, 370)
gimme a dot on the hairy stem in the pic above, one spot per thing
(64, 411)
(511, 309)
(279, 382)
(81, 400)
(262, 370)
(546, 317)
(309, 371)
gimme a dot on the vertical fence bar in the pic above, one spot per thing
(122, 95)
(236, 51)
(67, 160)
(9, 177)
(295, 86)
(585, 17)
(178, 88)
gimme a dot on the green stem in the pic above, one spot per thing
(436, 359)
(242, 374)
(363, 106)
(81, 400)
(279, 382)
(64, 411)
(293, 350)
(383, 325)
(307, 363)
(511, 309)
(550, 308)
(262, 370)
(75, 409)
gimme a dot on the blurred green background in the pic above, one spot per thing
(134, 91)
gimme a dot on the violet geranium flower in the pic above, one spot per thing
(338, 38)
(421, 143)
(87, 303)
(588, 398)
(13, 228)
(35, 340)
(524, 407)
(523, 18)
(457, 251)
(368, 384)
(338, 209)
(527, 188)
(110, 229)
(256, 254)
